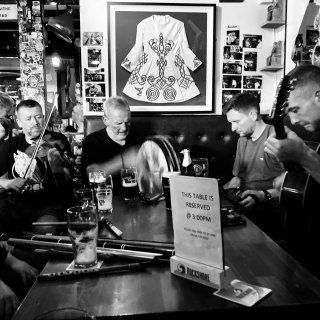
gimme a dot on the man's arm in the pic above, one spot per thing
(126, 159)
(15, 184)
(259, 196)
(26, 271)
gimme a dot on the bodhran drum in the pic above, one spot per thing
(157, 154)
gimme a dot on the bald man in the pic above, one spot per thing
(110, 148)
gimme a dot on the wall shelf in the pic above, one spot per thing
(273, 24)
(272, 68)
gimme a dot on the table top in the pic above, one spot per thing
(156, 293)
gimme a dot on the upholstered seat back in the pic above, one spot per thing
(207, 136)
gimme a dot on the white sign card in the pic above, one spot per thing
(8, 12)
(196, 219)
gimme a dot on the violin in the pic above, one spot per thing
(47, 143)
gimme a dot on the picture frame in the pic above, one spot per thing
(162, 84)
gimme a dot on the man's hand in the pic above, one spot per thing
(16, 184)
(278, 181)
(249, 200)
(288, 149)
(56, 161)
(26, 272)
(9, 302)
(235, 182)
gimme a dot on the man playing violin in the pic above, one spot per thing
(37, 190)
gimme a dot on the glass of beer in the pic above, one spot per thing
(129, 183)
(104, 200)
(201, 167)
(96, 177)
(84, 196)
(83, 233)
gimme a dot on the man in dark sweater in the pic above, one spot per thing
(110, 148)
(42, 190)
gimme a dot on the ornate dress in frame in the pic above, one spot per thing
(159, 62)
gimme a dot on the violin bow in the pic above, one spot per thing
(55, 103)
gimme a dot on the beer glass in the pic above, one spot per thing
(95, 177)
(104, 201)
(201, 167)
(84, 196)
(83, 233)
(129, 183)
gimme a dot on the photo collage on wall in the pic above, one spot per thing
(239, 66)
(31, 49)
(94, 72)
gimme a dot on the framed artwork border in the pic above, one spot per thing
(199, 23)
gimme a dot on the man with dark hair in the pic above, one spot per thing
(37, 190)
(109, 148)
(254, 170)
(303, 109)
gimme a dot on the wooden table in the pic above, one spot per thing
(156, 293)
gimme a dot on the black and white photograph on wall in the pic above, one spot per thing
(95, 104)
(250, 61)
(232, 53)
(92, 38)
(256, 93)
(228, 94)
(95, 89)
(170, 67)
(233, 37)
(94, 57)
(232, 68)
(252, 41)
(231, 81)
(312, 36)
(94, 75)
(252, 82)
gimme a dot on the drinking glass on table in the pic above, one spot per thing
(84, 196)
(201, 167)
(95, 177)
(129, 183)
(104, 194)
(83, 233)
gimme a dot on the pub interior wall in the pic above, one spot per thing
(248, 15)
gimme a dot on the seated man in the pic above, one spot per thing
(5, 129)
(110, 149)
(303, 108)
(6, 105)
(254, 170)
(38, 191)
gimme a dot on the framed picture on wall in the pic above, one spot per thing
(161, 55)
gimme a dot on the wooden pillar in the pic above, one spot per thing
(31, 50)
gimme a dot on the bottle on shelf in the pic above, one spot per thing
(187, 165)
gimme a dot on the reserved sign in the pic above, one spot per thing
(8, 12)
(196, 219)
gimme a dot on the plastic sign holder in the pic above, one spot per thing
(198, 240)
